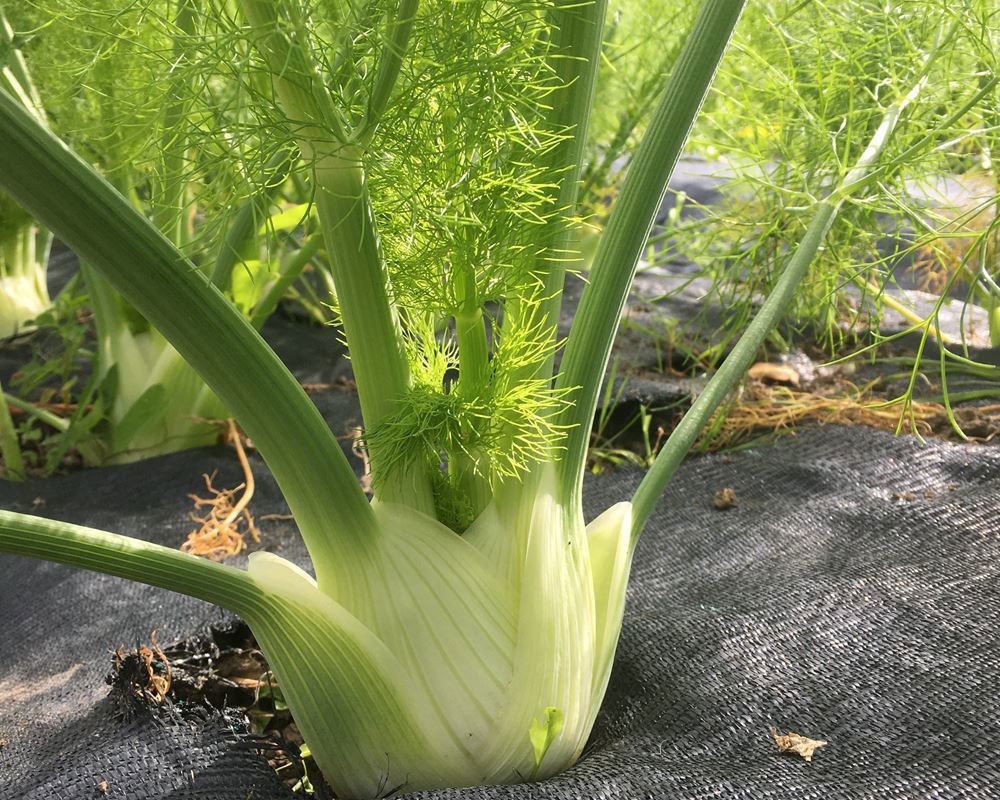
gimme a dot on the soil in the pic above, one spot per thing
(221, 670)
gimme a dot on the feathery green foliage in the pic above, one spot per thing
(798, 98)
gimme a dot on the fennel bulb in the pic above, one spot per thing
(443, 666)
(21, 301)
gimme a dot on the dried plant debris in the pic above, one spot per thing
(925, 494)
(771, 408)
(340, 384)
(979, 423)
(222, 531)
(360, 451)
(724, 498)
(774, 373)
(213, 678)
(220, 668)
(792, 742)
(225, 670)
(140, 678)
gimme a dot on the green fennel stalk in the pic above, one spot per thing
(10, 449)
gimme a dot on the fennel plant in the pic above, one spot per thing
(24, 249)
(801, 91)
(150, 398)
(461, 627)
(100, 69)
(818, 111)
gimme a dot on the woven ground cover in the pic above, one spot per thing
(850, 594)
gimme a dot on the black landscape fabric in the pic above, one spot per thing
(850, 594)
